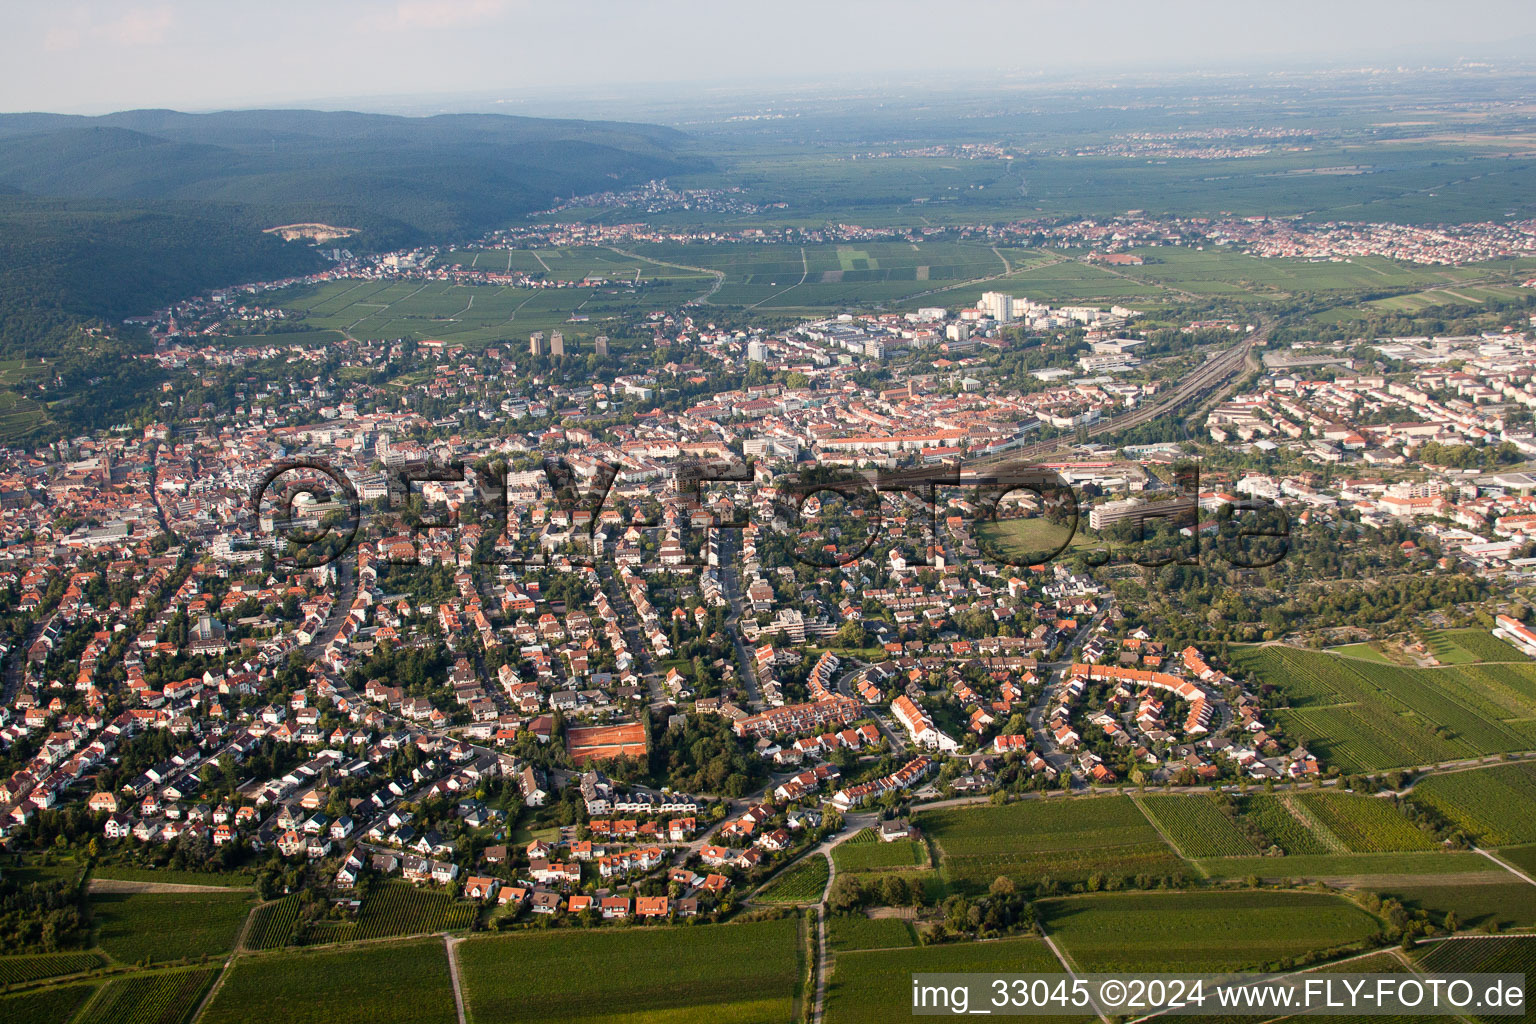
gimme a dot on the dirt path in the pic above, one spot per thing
(1067, 966)
(453, 972)
(119, 885)
(1507, 866)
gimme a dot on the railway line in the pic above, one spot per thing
(1208, 377)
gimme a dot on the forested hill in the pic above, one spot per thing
(107, 217)
(399, 179)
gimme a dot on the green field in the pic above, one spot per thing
(1352, 865)
(477, 315)
(1028, 541)
(123, 873)
(1362, 716)
(1064, 839)
(1365, 652)
(855, 856)
(874, 987)
(855, 931)
(17, 969)
(804, 882)
(1197, 826)
(45, 1006)
(161, 927)
(1505, 900)
(722, 974)
(1496, 805)
(164, 997)
(1477, 644)
(397, 981)
(1201, 931)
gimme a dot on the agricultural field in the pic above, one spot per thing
(163, 997)
(1504, 900)
(1363, 824)
(1197, 826)
(396, 981)
(721, 974)
(1476, 644)
(399, 908)
(802, 883)
(1340, 866)
(1201, 931)
(1496, 806)
(15, 970)
(1272, 816)
(872, 987)
(161, 927)
(476, 315)
(1361, 716)
(272, 923)
(854, 856)
(855, 931)
(1503, 955)
(45, 1006)
(122, 873)
(1065, 840)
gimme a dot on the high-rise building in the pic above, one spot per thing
(998, 305)
(536, 344)
(556, 344)
(601, 345)
(757, 352)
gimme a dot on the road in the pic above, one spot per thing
(730, 583)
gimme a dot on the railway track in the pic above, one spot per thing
(1208, 377)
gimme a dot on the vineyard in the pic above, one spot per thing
(162, 998)
(717, 974)
(1496, 806)
(1201, 931)
(374, 984)
(1270, 815)
(1365, 824)
(1063, 840)
(1363, 716)
(871, 987)
(46, 1006)
(1197, 826)
(399, 908)
(161, 927)
(272, 923)
(855, 931)
(17, 969)
(1514, 955)
(803, 883)
(1477, 644)
(1500, 902)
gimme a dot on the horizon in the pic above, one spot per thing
(64, 59)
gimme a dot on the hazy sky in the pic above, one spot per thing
(91, 57)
